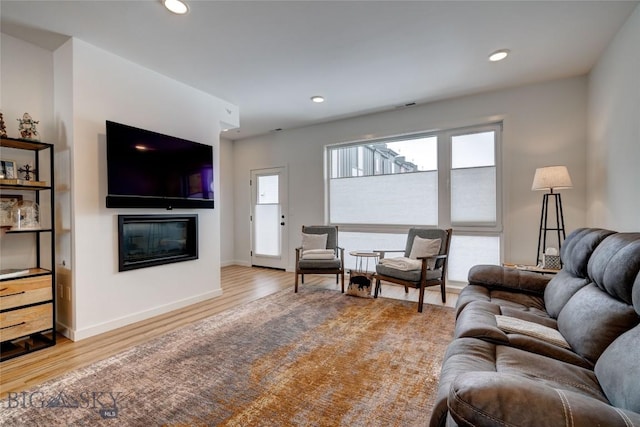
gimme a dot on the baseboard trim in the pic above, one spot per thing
(63, 329)
(80, 334)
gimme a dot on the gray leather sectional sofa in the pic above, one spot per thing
(533, 350)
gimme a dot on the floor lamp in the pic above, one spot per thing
(551, 178)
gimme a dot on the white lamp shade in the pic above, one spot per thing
(551, 178)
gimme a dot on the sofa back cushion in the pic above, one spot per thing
(593, 319)
(578, 248)
(560, 289)
(575, 253)
(615, 263)
(618, 371)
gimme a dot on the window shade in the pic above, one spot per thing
(399, 199)
(473, 195)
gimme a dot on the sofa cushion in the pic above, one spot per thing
(575, 253)
(560, 289)
(531, 314)
(578, 247)
(615, 265)
(478, 320)
(635, 294)
(592, 319)
(503, 298)
(470, 355)
(618, 371)
(492, 399)
(480, 316)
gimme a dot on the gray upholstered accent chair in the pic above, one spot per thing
(329, 265)
(432, 271)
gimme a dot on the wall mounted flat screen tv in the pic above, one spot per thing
(146, 169)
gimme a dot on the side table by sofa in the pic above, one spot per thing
(531, 268)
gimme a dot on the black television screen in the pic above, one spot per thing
(149, 170)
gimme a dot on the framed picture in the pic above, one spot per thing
(6, 204)
(8, 169)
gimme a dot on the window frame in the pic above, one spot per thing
(476, 227)
(444, 162)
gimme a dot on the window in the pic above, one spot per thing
(267, 215)
(473, 179)
(392, 174)
(378, 189)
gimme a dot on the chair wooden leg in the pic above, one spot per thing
(342, 281)
(406, 289)
(296, 283)
(337, 278)
(443, 290)
(302, 278)
(420, 299)
(375, 293)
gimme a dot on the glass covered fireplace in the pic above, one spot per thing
(148, 240)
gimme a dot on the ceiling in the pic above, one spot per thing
(270, 57)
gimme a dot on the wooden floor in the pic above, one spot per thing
(239, 285)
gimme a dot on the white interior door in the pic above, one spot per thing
(268, 218)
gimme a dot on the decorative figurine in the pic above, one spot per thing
(27, 128)
(3, 128)
(27, 170)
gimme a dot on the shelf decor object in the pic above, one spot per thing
(7, 169)
(3, 127)
(550, 178)
(27, 128)
(25, 215)
(7, 201)
(27, 170)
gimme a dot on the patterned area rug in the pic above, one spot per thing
(316, 358)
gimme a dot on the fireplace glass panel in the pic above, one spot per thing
(149, 240)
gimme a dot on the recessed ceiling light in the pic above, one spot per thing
(176, 6)
(317, 99)
(499, 55)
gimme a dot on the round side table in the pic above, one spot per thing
(363, 257)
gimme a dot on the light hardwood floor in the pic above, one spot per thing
(239, 285)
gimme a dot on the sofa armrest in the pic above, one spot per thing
(509, 279)
(491, 398)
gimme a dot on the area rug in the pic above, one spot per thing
(315, 358)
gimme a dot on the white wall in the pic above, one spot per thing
(614, 133)
(26, 85)
(72, 92)
(544, 124)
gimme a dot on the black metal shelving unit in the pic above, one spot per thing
(28, 300)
